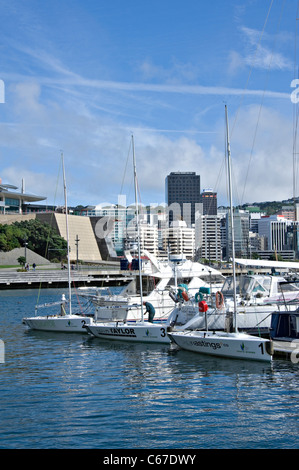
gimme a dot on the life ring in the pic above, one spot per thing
(185, 296)
(182, 288)
(198, 297)
(219, 299)
(202, 306)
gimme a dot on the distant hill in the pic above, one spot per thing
(271, 207)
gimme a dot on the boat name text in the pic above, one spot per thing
(209, 344)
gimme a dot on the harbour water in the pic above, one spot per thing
(69, 391)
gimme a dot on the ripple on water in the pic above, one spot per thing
(69, 391)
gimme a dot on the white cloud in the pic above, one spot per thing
(262, 155)
(257, 54)
(96, 151)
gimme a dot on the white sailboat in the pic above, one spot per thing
(257, 296)
(157, 285)
(225, 344)
(63, 321)
(111, 322)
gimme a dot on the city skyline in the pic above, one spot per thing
(82, 78)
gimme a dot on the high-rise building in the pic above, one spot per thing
(182, 194)
(274, 227)
(241, 232)
(208, 237)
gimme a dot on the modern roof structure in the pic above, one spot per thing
(13, 201)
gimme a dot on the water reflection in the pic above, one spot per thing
(71, 390)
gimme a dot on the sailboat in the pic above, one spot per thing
(225, 344)
(63, 321)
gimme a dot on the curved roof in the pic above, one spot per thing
(5, 190)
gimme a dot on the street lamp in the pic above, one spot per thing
(25, 246)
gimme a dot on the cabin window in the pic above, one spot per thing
(148, 284)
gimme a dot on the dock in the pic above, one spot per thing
(56, 278)
(286, 350)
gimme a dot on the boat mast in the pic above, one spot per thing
(67, 235)
(231, 217)
(138, 229)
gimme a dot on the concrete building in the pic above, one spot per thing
(274, 229)
(179, 239)
(149, 239)
(241, 226)
(182, 191)
(209, 202)
(82, 239)
(208, 237)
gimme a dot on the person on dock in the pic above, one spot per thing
(149, 308)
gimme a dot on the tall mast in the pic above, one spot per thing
(67, 235)
(138, 229)
(231, 216)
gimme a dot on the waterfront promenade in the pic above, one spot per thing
(53, 277)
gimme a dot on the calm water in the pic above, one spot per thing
(72, 391)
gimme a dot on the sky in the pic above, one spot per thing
(83, 77)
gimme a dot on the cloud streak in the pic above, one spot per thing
(77, 81)
(67, 78)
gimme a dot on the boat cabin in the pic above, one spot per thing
(285, 326)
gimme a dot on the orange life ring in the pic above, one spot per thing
(219, 299)
(202, 306)
(185, 295)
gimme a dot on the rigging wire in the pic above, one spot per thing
(295, 118)
(251, 68)
(262, 102)
(50, 226)
(125, 170)
(243, 96)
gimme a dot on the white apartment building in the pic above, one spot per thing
(208, 237)
(149, 238)
(179, 239)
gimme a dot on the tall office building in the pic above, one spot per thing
(182, 194)
(209, 202)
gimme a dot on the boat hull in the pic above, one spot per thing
(63, 324)
(230, 345)
(144, 332)
(250, 319)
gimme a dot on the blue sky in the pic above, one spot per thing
(83, 76)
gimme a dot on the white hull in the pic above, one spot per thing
(130, 331)
(58, 323)
(230, 345)
(161, 302)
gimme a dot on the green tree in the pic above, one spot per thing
(40, 238)
(21, 260)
